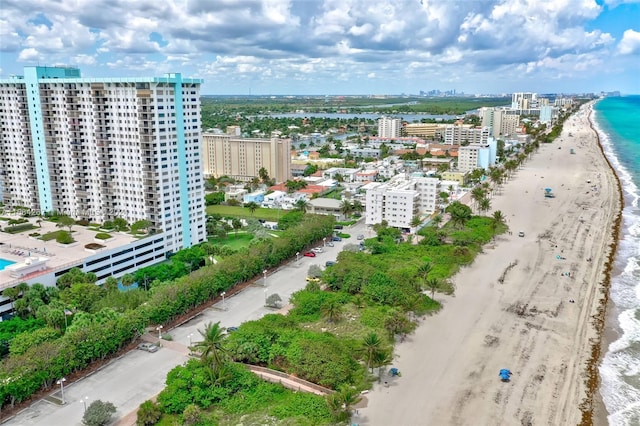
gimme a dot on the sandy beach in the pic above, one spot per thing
(526, 323)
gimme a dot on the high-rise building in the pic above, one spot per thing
(242, 158)
(465, 134)
(501, 121)
(389, 127)
(101, 148)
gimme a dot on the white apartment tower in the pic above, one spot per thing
(465, 134)
(101, 148)
(500, 121)
(400, 200)
(389, 127)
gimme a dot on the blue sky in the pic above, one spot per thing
(336, 46)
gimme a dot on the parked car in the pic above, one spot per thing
(338, 227)
(310, 254)
(336, 239)
(313, 279)
(329, 263)
(231, 329)
(360, 237)
(330, 244)
(149, 347)
(521, 234)
(317, 250)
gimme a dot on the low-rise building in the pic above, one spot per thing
(326, 206)
(400, 200)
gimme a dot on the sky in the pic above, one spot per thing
(335, 47)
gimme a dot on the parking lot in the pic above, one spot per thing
(139, 375)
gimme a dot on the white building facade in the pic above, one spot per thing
(101, 148)
(389, 127)
(400, 200)
(459, 134)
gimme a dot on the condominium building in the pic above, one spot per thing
(399, 200)
(477, 155)
(424, 130)
(101, 148)
(465, 134)
(500, 121)
(389, 127)
(242, 158)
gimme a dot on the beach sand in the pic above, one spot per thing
(449, 366)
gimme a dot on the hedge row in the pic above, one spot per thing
(40, 366)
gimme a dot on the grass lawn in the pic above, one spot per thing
(242, 240)
(266, 214)
(52, 235)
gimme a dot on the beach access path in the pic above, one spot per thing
(536, 322)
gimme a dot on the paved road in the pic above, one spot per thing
(137, 376)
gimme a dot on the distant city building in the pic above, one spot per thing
(389, 127)
(242, 158)
(101, 148)
(400, 200)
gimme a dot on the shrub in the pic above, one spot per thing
(94, 246)
(98, 413)
(64, 237)
(34, 234)
(82, 222)
(102, 236)
(148, 414)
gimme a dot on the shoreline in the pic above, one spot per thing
(452, 358)
(594, 407)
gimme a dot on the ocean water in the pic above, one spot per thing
(618, 125)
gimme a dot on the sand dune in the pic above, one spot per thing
(526, 322)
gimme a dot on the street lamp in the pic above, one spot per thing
(324, 242)
(297, 256)
(190, 341)
(264, 275)
(224, 308)
(61, 383)
(159, 328)
(84, 401)
(265, 297)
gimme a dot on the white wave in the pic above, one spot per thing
(621, 398)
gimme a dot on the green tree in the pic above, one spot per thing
(237, 225)
(332, 310)
(192, 415)
(212, 351)
(127, 280)
(345, 207)
(110, 284)
(497, 220)
(371, 345)
(264, 175)
(65, 221)
(433, 284)
(459, 213)
(301, 205)
(252, 206)
(484, 205)
(120, 224)
(140, 225)
(416, 221)
(149, 414)
(98, 413)
(423, 272)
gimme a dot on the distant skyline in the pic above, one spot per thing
(333, 47)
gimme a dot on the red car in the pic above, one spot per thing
(310, 254)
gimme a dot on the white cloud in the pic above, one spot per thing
(29, 55)
(630, 43)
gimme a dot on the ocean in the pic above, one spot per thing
(617, 121)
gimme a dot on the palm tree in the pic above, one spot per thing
(11, 293)
(211, 348)
(436, 221)
(252, 206)
(346, 207)
(423, 271)
(236, 224)
(477, 194)
(371, 344)
(498, 219)
(433, 284)
(484, 205)
(301, 205)
(380, 359)
(332, 311)
(459, 213)
(416, 221)
(357, 206)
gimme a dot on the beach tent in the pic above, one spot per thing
(505, 375)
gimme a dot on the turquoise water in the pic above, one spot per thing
(4, 263)
(618, 124)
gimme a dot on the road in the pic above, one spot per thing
(138, 376)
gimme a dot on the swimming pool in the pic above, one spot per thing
(4, 263)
